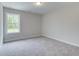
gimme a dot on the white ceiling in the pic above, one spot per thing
(45, 8)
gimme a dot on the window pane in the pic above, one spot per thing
(13, 23)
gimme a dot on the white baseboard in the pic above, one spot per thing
(21, 38)
(70, 43)
(35, 36)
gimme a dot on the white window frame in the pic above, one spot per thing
(7, 23)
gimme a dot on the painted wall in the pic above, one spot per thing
(62, 25)
(1, 24)
(29, 22)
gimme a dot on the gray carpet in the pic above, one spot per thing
(38, 47)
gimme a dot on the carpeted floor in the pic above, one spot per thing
(38, 47)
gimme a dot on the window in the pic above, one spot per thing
(13, 23)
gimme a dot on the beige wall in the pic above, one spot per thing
(29, 24)
(62, 25)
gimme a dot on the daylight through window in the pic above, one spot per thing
(13, 23)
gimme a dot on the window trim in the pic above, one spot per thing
(7, 23)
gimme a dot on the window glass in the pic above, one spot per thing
(13, 23)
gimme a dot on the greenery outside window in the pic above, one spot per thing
(13, 23)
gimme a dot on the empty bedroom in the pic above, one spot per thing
(39, 28)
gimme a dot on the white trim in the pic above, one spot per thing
(22, 38)
(1, 24)
(70, 43)
(6, 23)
